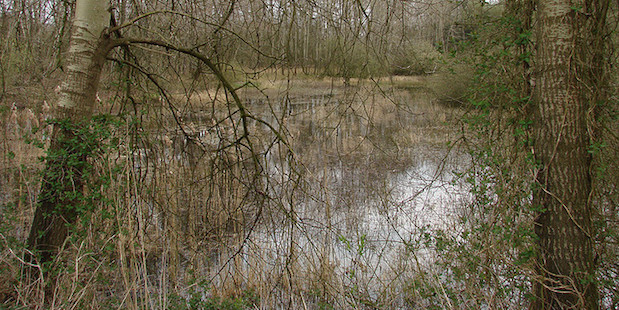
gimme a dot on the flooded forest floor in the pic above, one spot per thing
(309, 192)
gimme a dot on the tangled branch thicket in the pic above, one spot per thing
(272, 154)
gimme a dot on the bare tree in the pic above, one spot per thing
(569, 80)
(59, 204)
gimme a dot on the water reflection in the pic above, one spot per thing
(372, 175)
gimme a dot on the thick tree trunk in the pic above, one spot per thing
(566, 267)
(58, 204)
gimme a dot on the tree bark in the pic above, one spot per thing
(562, 94)
(58, 203)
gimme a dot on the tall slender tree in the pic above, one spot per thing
(567, 84)
(58, 204)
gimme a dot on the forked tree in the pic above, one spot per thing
(60, 202)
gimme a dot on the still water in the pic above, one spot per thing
(356, 186)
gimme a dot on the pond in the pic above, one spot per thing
(351, 193)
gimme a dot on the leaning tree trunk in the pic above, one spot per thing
(563, 93)
(58, 202)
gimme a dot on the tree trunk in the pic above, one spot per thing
(562, 94)
(58, 203)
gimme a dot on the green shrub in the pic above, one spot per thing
(415, 58)
(355, 61)
(451, 86)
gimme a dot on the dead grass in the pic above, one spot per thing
(185, 216)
